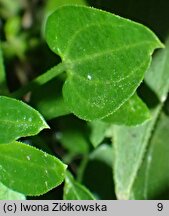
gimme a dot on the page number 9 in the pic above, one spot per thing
(159, 206)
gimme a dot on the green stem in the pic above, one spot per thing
(40, 80)
(82, 168)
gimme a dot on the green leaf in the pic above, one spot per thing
(153, 177)
(105, 55)
(28, 170)
(129, 147)
(8, 194)
(18, 120)
(98, 130)
(130, 142)
(74, 190)
(132, 112)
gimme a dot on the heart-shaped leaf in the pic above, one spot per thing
(17, 119)
(28, 170)
(105, 56)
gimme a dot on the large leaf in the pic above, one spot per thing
(105, 55)
(129, 147)
(130, 142)
(74, 190)
(153, 178)
(132, 112)
(28, 170)
(18, 120)
(8, 194)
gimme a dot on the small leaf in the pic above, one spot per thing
(153, 177)
(28, 170)
(133, 112)
(98, 130)
(105, 55)
(74, 190)
(8, 194)
(17, 119)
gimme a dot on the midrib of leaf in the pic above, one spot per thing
(110, 51)
(107, 82)
(62, 67)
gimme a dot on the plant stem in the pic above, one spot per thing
(82, 168)
(40, 80)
